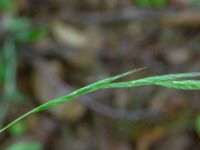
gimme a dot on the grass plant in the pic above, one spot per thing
(180, 81)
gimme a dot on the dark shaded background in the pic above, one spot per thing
(52, 47)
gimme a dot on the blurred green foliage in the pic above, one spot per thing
(18, 129)
(144, 3)
(31, 35)
(152, 3)
(197, 124)
(23, 31)
(196, 2)
(20, 28)
(17, 30)
(16, 24)
(2, 69)
(26, 146)
(6, 5)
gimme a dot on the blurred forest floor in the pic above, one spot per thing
(48, 48)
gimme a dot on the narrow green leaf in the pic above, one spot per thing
(162, 80)
(183, 85)
(174, 76)
(24, 145)
(79, 92)
(152, 80)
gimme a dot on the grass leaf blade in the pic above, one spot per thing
(90, 88)
(183, 85)
(152, 80)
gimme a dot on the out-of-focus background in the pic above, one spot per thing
(49, 48)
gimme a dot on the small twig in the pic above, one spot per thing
(167, 17)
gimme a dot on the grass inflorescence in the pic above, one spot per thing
(175, 81)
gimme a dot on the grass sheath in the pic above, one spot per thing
(175, 81)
